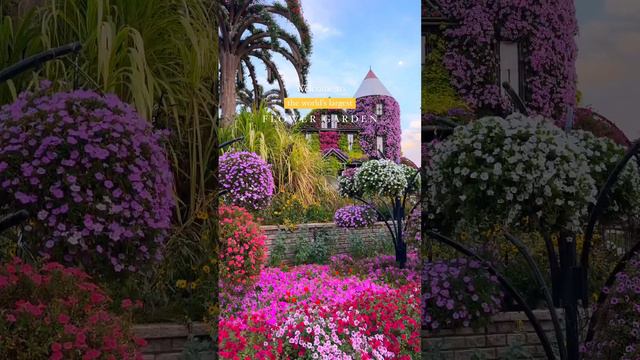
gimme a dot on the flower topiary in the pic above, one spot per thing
(501, 171)
(458, 293)
(604, 154)
(241, 247)
(247, 180)
(53, 312)
(379, 177)
(92, 173)
(354, 216)
(347, 186)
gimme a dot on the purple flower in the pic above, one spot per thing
(450, 298)
(354, 216)
(54, 147)
(247, 180)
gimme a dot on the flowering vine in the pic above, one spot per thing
(329, 140)
(386, 125)
(545, 30)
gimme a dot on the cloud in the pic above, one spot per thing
(609, 51)
(411, 137)
(321, 32)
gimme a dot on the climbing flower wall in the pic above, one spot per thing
(545, 30)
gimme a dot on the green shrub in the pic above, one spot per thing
(278, 250)
(383, 244)
(441, 96)
(314, 251)
(358, 249)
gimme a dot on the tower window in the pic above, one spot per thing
(323, 121)
(307, 136)
(510, 65)
(334, 121)
(379, 109)
(350, 141)
(379, 144)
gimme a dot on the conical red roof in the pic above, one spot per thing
(371, 85)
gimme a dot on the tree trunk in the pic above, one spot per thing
(229, 69)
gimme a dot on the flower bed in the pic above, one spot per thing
(56, 312)
(316, 312)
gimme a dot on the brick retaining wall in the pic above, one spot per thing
(490, 342)
(340, 236)
(167, 341)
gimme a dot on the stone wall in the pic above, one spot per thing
(491, 342)
(168, 341)
(339, 237)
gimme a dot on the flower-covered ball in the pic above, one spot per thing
(374, 177)
(54, 312)
(347, 186)
(92, 174)
(247, 180)
(504, 171)
(603, 155)
(354, 216)
(242, 245)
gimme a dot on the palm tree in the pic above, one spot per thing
(253, 99)
(248, 30)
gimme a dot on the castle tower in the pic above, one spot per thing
(379, 117)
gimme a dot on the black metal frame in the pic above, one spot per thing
(569, 277)
(37, 60)
(397, 226)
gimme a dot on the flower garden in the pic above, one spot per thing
(127, 199)
(126, 202)
(346, 306)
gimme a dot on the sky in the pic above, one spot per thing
(609, 60)
(351, 36)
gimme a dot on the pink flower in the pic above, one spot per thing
(126, 304)
(63, 319)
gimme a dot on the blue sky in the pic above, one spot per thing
(609, 58)
(348, 37)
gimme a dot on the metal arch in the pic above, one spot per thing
(544, 340)
(13, 219)
(601, 204)
(37, 60)
(230, 142)
(537, 274)
(602, 296)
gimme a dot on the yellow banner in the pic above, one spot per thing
(320, 103)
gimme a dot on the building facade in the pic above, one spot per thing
(372, 130)
(481, 44)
